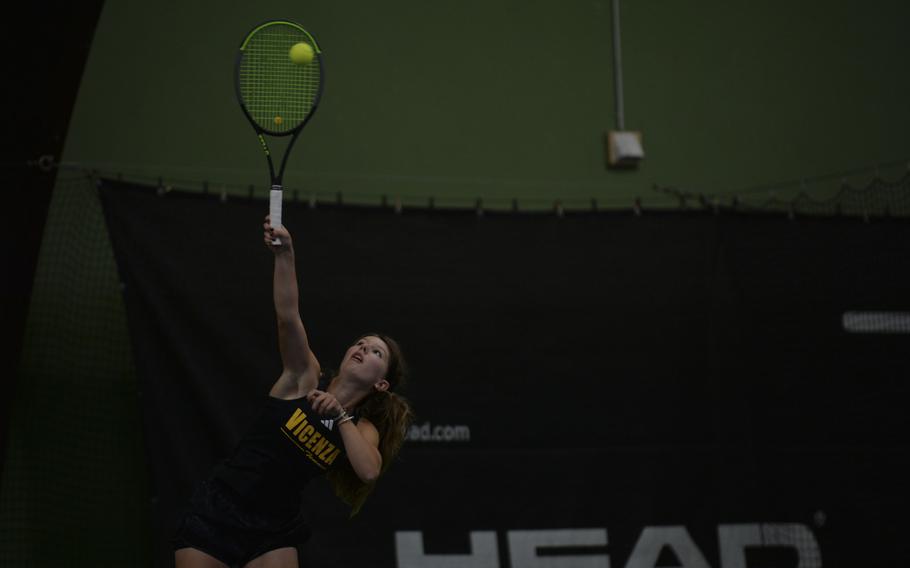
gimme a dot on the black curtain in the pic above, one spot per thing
(616, 372)
(40, 121)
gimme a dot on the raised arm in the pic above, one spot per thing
(300, 373)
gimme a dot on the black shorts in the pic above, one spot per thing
(221, 525)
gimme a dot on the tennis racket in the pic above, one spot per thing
(277, 94)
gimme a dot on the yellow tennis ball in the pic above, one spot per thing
(278, 121)
(301, 53)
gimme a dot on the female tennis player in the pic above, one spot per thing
(348, 426)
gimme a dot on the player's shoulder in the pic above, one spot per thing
(368, 429)
(296, 385)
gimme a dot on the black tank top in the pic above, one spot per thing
(286, 447)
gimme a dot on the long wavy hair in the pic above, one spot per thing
(391, 414)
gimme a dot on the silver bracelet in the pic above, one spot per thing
(347, 418)
(342, 416)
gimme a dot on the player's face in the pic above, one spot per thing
(367, 359)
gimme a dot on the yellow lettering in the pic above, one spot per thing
(324, 455)
(312, 439)
(321, 450)
(302, 436)
(301, 426)
(295, 420)
(320, 445)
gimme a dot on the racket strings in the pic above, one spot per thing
(278, 93)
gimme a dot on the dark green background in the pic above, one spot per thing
(509, 99)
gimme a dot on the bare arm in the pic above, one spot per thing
(300, 371)
(361, 444)
(361, 440)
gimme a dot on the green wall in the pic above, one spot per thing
(509, 99)
(499, 100)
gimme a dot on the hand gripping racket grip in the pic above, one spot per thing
(275, 209)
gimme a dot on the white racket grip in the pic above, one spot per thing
(275, 209)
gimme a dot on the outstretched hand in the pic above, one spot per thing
(271, 233)
(324, 403)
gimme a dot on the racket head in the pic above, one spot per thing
(277, 95)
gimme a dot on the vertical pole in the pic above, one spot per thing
(617, 69)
